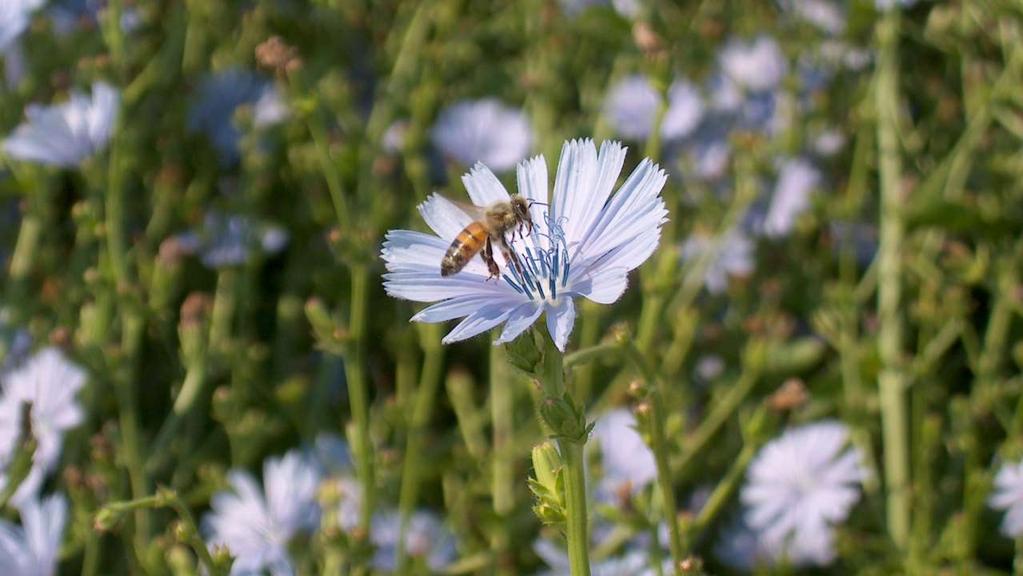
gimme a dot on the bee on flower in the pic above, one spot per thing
(583, 242)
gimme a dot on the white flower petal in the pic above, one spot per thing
(521, 318)
(560, 320)
(444, 217)
(483, 319)
(483, 187)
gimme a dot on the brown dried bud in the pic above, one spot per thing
(171, 252)
(195, 309)
(691, 565)
(790, 396)
(60, 337)
(646, 39)
(277, 55)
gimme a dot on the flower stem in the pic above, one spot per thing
(429, 380)
(576, 526)
(892, 380)
(357, 393)
(502, 403)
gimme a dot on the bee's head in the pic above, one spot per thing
(521, 209)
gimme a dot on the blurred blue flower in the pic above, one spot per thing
(889, 4)
(484, 131)
(1008, 496)
(632, 106)
(797, 180)
(227, 240)
(70, 14)
(828, 142)
(628, 463)
(14, 19)
(584, 244)
(427, 539)
(798, 487)
(827, 15)
(627, 8)
(33, 548)
(219, 96)
(256, 524)
(734, 257)
(632, 563)
(334, 457)
(66, 134)
(756, 65)
(48, 383)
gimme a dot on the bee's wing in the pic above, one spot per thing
(473, 211)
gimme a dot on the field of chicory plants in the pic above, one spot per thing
(552, 287)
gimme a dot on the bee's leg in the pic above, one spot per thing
(488, 257)
(511, 256)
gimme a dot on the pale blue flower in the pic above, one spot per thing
(628, 463)
(256, 524)
(14, 19)
(632, 106)
(798, 488)
(227, 240)
(859, 238)
(484, 131)
(828, 142)
(427, 539)
(32, 549)
(890, 4)
(626, 8)
(634, 560)
(66, 134)
(70, 14)
(1008, 496)
(335, 459)
(219, 96)
(828, 15)
(797, 180)
(583, 244)
(15, 66)
(734, 257)
(756, 65)
(48, 383)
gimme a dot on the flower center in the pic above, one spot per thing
(544, 261)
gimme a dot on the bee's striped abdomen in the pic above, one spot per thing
(467, 244)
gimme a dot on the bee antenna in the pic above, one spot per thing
(537, 203)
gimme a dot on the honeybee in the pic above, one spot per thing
(490, 226)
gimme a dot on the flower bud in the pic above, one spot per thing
(524, 353)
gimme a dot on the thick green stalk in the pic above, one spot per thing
(890, 338)
(429, 381)
(502, 404)
(358, 394)
(576, 523)
(575, 504)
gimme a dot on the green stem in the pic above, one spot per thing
(724, 408)
(358, 394)
(129, 422)
(429, 381)
(576, 524)
(164, 498)
(659, 446)
(660, 449)
(575, 504)
(892, 381)
(502, 404)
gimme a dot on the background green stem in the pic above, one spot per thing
(890, 339)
